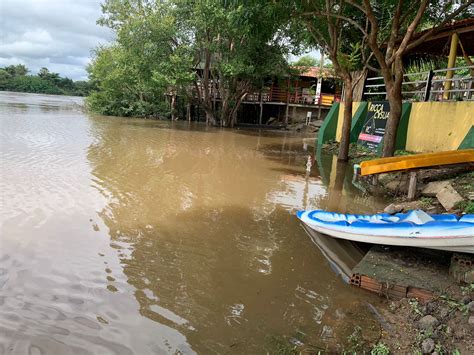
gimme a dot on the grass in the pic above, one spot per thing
(426, 202)
(465, 206)
(380, 349)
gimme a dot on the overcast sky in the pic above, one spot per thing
(57, 34)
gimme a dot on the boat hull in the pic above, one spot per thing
(456, 238)
(462, 244)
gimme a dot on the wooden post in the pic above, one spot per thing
(429, 79)
(375, 180)
(261, 109)
(188, 112)
(287, 102)
(412, 186)
(320, 83)
(451, 63)
(173, 107)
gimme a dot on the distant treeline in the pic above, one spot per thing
(16, 78)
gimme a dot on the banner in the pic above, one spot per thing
(373, 129)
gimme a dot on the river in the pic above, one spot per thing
(148, 237)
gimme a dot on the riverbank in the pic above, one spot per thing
(445, 323)
(456, 185)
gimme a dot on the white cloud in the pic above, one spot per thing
(58, 34)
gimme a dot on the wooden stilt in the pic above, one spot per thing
(451, 64)
(375, 179)
(412, 186)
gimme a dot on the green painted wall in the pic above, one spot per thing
(358, 120)
(327, 131)
(468, 141)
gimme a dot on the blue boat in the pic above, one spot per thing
(413, 229)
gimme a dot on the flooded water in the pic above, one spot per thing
(132, 236)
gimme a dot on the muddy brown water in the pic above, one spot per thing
(134, 236)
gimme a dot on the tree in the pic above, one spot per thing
(306, 61)
(17, 70)
(204, 49)
(330, 26)
(235, 49)
(390, 33)
(128, 75)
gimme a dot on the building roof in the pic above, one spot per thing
(438, 44)
(314, 72)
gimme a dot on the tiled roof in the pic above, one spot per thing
(313, 72)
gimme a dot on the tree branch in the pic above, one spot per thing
(409, 33)
(438, 27)
(372, 37)
(337, 16)
(395, 30)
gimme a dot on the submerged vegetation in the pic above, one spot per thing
(16, 78)
(170, 55)
(187, 51)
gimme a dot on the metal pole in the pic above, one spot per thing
(429, 78)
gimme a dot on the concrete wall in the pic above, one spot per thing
(340, 119)
(298, 114)
(439, 126)
(432, 126)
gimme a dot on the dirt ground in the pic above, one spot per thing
(450, 332)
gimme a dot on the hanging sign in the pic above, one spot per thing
(374, 126)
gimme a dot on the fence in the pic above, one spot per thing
(275, 93)
(433, 85)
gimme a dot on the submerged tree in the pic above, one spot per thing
(125, 72)
(330, 24)
(236, 47)
(200, 50)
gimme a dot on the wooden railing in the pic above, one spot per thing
(279, 94)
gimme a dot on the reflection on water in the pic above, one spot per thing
(135, 236)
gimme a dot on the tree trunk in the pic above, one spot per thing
(210, 119)
(393, 84)
(347, 121)
(173, 107)
(225, 111)
(188, 112)
(390, 137)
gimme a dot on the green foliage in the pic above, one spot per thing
(16, 70)
(15, 78)
(415, 307)
(306, 61)
(173, 47)
(380, 349)
(352, 60)
(426, 202)
(465, 206)
(279, 345)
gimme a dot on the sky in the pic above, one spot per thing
(57, 34)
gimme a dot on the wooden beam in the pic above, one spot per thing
(453, 49)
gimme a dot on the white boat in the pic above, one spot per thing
(412, 229)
